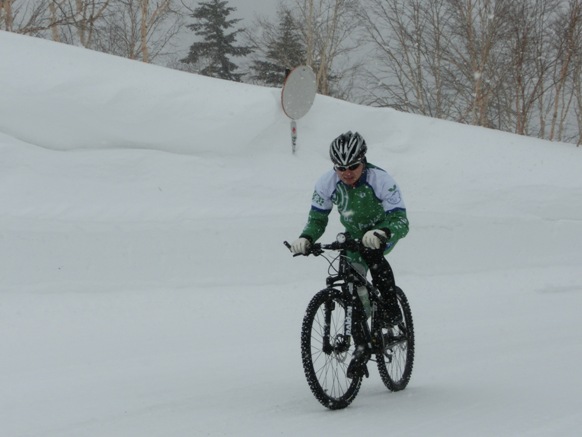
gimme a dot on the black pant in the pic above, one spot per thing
(382, 275)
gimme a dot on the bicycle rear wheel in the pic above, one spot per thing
(397, 354)
(326, 351)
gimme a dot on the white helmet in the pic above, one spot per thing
(347, 149)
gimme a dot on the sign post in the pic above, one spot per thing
(297, 96)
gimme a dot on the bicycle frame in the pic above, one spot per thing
(349, 279)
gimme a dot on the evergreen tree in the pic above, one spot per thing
(285, 51)
(214, 52)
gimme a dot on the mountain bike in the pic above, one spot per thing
(339, 337)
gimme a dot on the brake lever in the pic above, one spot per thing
(316, 250)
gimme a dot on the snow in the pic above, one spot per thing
(145, 289)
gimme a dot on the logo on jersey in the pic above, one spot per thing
(340, 198)
(394, 196)
(317, 199)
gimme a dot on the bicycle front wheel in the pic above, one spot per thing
(326, 351)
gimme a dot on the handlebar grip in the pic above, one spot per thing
(383, 239)
(288, 246)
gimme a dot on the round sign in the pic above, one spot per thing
(298, 92)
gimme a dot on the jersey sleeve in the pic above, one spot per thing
(388, 192)
(321, 206)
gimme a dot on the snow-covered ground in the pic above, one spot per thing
(145, 289)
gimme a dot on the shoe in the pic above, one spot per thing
(357, 367)
(394, 336)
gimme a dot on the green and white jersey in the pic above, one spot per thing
(375, 202)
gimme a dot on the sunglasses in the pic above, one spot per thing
(351, 167)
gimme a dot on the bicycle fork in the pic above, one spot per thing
(327, 347)
(336, 342)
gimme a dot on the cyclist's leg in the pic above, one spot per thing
(383, 280)
(360, 266)
(358, 364)
(380, 270)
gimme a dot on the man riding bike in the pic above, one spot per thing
(371, 209)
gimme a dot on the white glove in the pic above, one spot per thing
(301, 245)
(371, 241)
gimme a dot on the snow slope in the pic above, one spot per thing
(145, 290)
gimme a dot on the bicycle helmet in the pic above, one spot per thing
(348, 149)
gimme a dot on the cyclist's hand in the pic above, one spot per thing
(371, 241)
(300, 246)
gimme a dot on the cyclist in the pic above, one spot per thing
(371, 209)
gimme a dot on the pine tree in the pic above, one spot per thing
(284, 52)
(214, 52)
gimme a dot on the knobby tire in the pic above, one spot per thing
(325, 370)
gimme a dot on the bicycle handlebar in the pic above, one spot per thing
(343, 242)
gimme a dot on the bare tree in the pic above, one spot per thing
(82, 27)
(577, 84)
(440, 58)
(138, 29)
(87, 14)
(568, 31)
(528, 63)
(578, 92)
(148, 19)
(326, 27)
(6, 15)
(494, 63)
(410, 68)
(480, 53)
(29, 17)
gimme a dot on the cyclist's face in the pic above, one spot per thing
(350, 177)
